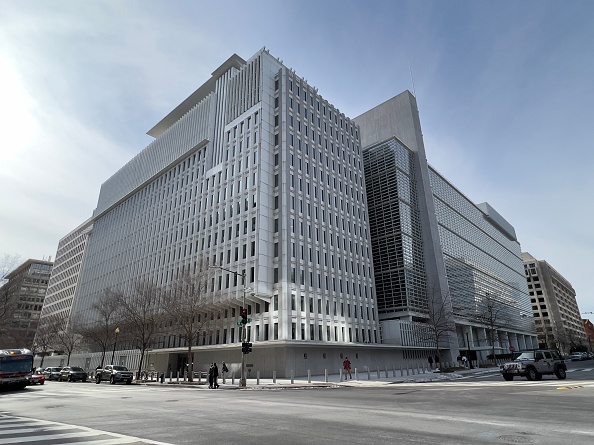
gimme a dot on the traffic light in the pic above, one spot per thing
(246, 348)
(244, 316)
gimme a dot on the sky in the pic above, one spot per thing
(505, 95)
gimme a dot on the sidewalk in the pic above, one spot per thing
(363, 379)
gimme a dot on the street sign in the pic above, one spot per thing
(249, 320)
(512, 349)
(239, 323)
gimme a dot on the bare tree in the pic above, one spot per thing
(142, 316)
(440, 319)
(45, 338)
(100, 333)
(492, 313)
(187, 305)
(68, 337)
(8, 294)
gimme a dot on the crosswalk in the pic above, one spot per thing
(17, 430)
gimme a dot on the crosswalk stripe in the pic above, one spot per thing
(15, 430)
(49, 437)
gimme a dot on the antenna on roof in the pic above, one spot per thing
(412, 79)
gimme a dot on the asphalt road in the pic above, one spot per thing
(474, 410)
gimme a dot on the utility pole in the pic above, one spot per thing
(242, 380)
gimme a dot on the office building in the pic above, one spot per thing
(554, 306)
(260, 175)
(26, 286)
(432, 246)
(257, 173)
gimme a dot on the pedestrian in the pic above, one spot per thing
(346, 364)
(464, 361)
(210, 376)
(215, 376)
(224, 370)
(430, 360)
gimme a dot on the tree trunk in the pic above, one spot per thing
(140, 363)
(190, 363)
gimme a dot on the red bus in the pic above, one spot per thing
(15, 366)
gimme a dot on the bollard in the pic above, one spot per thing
(273, 376)
(378, 373)
(326, 375)
(200, 377)
(386, 370)
(257, 377)
(418, 369)
(340, 375)
(308, 376)
(356, 378)
(233, 379)
(292, 376)
(393, 370)
(368, 373)
(170, 376)
(407, 370)
(177, 376)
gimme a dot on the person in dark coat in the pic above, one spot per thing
(210, 377)
(215, 375)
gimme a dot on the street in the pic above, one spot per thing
(481, 409)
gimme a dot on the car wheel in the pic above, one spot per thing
(508, 378)
(561, 374)
(532, 374)
(97, 380)
(112, 380)
(70, 378)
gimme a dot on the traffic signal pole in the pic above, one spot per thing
(242, 380)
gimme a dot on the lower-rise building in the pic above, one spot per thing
(24, 294)
(554, 307)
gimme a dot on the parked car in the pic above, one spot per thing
(577, 356)
(114, 374)
(72, 374)
(37, 377)
(52, 373)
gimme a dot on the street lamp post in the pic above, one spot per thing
(242, 380)
(469, 357)
(115, 340)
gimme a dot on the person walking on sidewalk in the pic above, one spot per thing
(210, 376)
(215, 376)
(430, 360)
(347, 368)
(224, 370)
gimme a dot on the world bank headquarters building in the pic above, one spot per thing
(334, 234)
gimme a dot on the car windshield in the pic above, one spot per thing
(120, 368)
(76, 368)
(526, 356)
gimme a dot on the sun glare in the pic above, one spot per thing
(17, 122)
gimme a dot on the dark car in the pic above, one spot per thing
(37, 377)
(72, 374)
(52, 373)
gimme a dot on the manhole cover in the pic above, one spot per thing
(515, 439)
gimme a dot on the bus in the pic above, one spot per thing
(15, 367)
